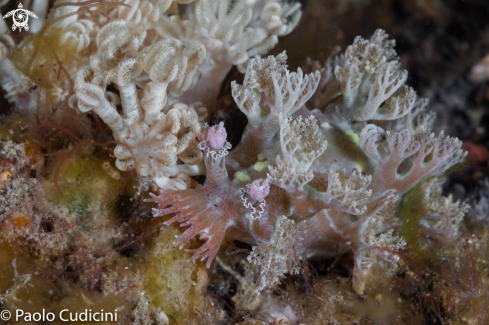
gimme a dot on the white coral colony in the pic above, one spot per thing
(157, 61)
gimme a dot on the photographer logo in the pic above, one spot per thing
(20, 17)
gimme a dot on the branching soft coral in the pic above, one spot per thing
(277, 256)
(308, 203)
(431, 156)
(371, 83)
(285, 93)
(441, 215)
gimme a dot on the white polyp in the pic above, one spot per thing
(174, 183)
(109, 115)
(195, 170)
(129, 100)
(154, 100)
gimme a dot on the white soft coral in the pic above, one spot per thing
(155, 137)
(277, 256)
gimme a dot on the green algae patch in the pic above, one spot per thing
(38, 56)
(169, 278)
(83, 187)
(6, 267)
(343, 145)
(337, 302)
(16, 128)
(12, 128)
